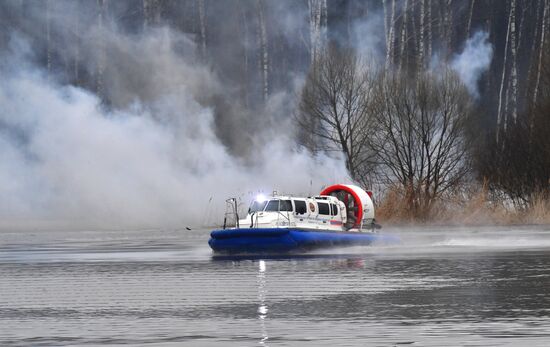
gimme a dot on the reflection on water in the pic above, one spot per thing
(440, 287)
(262, 308)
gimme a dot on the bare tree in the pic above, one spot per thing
(545, 23)
(501, 116)
(403, 40)
(245, 38)
(421, 34)
(518, 170)
(470, 15)
(429, 28)
(511, 92)
(390, 37)
(448, 22)
(418, 136)
(335, 109)
(264, 51)
(202, 27)
(48, 38)
(317, 27)
(101, 60)
(151, 12)
(76, 29)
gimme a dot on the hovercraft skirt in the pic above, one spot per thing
(263, 240)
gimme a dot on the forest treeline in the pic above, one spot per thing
(379, 87)
(417, 135)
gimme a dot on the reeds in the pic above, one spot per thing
(473, 206)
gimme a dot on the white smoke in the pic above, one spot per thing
(368, 37)
(151, 160)
(474, 60)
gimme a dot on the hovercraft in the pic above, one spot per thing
(341, 215)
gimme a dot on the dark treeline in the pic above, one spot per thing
(261, 48)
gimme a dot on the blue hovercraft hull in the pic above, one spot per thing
(277, 240)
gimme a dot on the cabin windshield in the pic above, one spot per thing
(257, 206)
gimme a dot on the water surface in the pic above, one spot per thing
(442, 286)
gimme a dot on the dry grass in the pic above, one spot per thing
(539, 212)
(393, 208)
(472, 207)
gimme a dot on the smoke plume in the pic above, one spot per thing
(474, 60)
(153, 156)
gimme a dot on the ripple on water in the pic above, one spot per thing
(443, 287)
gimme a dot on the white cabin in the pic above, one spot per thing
(339, 208)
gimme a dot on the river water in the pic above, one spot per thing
(440, 286)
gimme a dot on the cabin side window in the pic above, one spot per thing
(323, 208)
(334, 209)
(286, 206)
(300, 206)
(279, 205)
